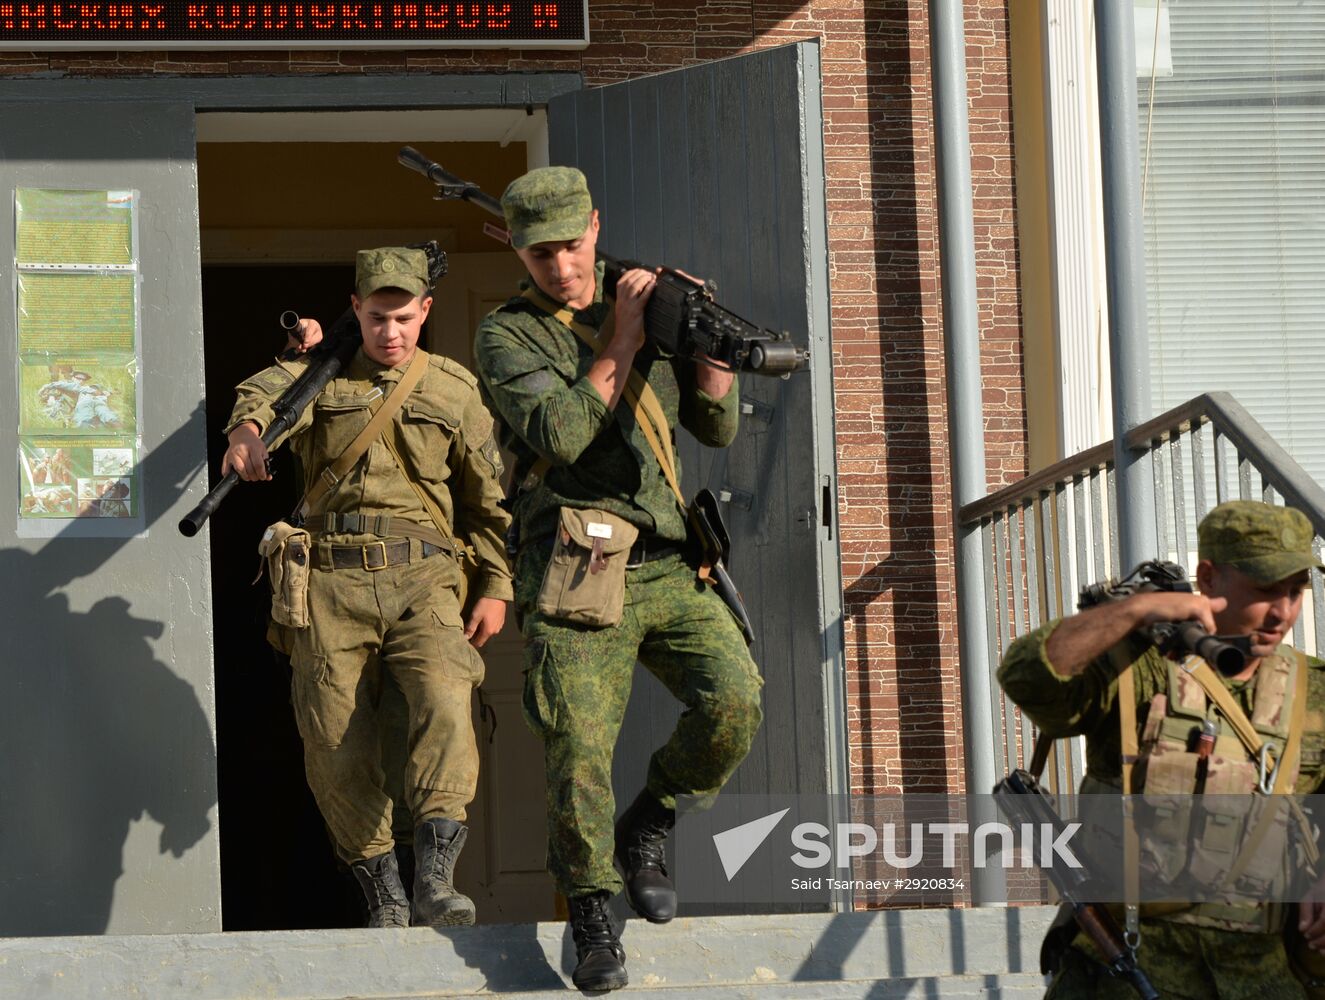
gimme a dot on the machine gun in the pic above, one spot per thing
(1226, 653)
(325, 361)
(682, 316)
(1023, 801)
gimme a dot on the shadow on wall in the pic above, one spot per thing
(95, 730)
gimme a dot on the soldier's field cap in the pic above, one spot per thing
(549, 204)
(390, 267)
(1266, 542)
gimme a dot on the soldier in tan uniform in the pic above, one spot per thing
(384, 583)
(1071, 677)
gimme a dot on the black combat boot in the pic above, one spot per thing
(641, 834)
(380, 880)
(437, 844)
(600, 961)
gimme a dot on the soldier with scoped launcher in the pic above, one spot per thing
(402, 472)
(606, 570)
(1093, 675)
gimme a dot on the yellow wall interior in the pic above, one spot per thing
(285, 186)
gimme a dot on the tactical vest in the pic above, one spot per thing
(1209, 841)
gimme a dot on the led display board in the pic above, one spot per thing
(139, 24)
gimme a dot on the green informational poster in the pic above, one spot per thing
(77, 321)
(82, 228)
(68, 313)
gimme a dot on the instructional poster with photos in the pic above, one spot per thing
(76, 284)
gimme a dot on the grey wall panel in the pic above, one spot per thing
(108, 790)
(717, 170)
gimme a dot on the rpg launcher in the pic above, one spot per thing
(682, 316)
(325, 361)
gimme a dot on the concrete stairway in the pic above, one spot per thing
(878, 955)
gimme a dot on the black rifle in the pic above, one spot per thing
(325, 362)
(681, 316)
(1023, 801)
(1227, 653)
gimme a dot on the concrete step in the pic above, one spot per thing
(1011, 986)
(879, 954)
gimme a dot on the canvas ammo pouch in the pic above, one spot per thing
(286, 551)
(585, 580)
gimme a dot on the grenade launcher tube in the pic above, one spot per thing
(342, 342)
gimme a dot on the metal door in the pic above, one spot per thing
(718, 170)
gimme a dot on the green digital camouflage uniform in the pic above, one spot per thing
(1181, 959)
(532, 372)
(405, 617)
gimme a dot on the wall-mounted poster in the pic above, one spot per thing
(81, 479)
(76, 313)
(78, 396)
(76, 295)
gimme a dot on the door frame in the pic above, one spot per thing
(535, 91)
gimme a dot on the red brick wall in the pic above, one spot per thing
(896, 517)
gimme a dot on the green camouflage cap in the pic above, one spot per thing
(1266, 542)
(546, 205)
(390, 267)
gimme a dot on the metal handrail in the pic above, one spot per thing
(1045, 536)
(1278, 468)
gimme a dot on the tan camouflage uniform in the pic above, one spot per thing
(405, 617)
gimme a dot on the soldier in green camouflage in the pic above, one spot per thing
(383, 588)
(579, 447)
(1255, 562)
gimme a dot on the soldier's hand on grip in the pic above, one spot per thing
(304, 336)
(632, 295)
(1178, 606)
(247, 455)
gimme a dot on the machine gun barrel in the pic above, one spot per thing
(451, 186)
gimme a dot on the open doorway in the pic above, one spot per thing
(280, 222)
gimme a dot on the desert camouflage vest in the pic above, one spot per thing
(1220, 841)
